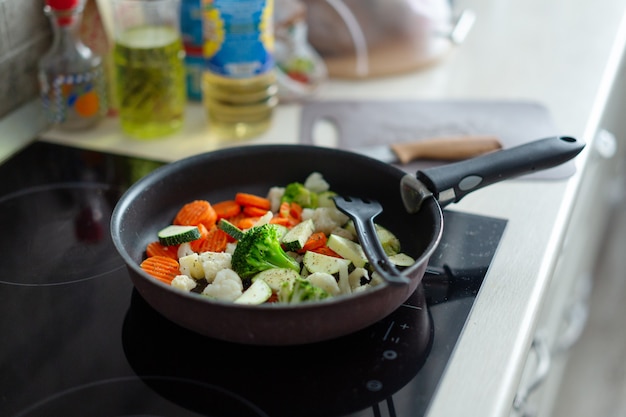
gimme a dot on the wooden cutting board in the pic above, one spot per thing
(362, 124)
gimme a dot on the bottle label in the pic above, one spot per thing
(79, 95)
(238, 37)
(191, 23)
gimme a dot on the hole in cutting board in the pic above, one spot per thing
(325, 132)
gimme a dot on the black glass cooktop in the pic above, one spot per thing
(78, 340)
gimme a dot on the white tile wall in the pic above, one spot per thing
(25, 35)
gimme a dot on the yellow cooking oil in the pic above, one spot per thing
(239, 89)
(239, 108)
(150, 81)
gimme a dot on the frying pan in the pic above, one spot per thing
(412, 211)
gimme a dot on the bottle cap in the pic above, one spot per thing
(62, 4)
(64, 10)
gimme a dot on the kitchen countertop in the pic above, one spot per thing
(564, 55)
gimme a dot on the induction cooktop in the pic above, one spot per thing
(78, 340)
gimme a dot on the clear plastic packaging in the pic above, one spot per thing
(299, 68)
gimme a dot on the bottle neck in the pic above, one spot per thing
(65, 23)
(65, 27)
(64, 17)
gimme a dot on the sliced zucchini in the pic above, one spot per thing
(282, 230)
(175, 234)
(317, 262)
(276, 276)
(401, 259)
(389, 241)
(295, 238)
(230, 229)
(348, 249)
(258, 293)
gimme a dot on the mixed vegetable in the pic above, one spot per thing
(291, 246)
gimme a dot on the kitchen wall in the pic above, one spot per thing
(25, 35)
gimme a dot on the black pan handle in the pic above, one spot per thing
(450, 183)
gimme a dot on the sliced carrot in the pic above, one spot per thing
(218, 239)
(247, 222)
(281, 221)
(195, 244)
(162, 268)
(156, 249)
(227, 209)
(196, 212)
(273, 298)
(246, 199)
(215, 241)
(315, 241)
(235, 219)
(295, 211)
(251, 211)
(284, 209)
(290, 211)
(325, 250)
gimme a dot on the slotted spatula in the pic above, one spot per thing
(362, 213)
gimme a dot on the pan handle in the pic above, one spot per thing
(450, 183)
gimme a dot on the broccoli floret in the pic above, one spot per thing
(299, 291)
(296, 192)
(259, 249)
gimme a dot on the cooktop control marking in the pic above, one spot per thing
(374, 385)
(390, 354)
(388, 330)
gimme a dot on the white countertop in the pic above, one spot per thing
(561, 54)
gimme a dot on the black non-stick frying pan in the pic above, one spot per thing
(412, 211)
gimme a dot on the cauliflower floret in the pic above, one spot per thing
(316, 183)
(376, 279)
(230, 247)
(183, 282)
(324, 281)
(344, 280)
(191, 266)
(326, 219)
(226, 286)
(355, 277)
(296, 256)
(343, 232)
(362, 288)
(184, 249)
(307, 213)
(213, 262)
(264, 219)
(274, 195)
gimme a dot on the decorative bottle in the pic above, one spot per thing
(71, 76)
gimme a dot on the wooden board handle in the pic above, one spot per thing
(452, 148)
